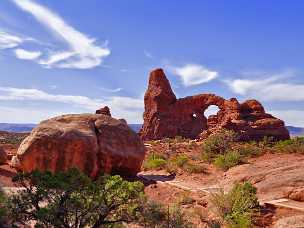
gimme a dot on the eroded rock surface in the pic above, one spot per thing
(3, 156)
(275, 176)
(105, 111)
(166, 116)
(90, 142)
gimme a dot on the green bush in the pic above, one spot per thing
(248, 149)
(218, 143)
(183, 162)
(228, 160)
(71, 199)
(294, 145)
(237, 207)
(180, 160)
(194, 168)
(156, 215)
(3, 208)
(154, 161)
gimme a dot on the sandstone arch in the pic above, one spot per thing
(167, 116)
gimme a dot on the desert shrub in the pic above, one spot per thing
(154, 161)
(248, 149)
(218, 143)
(228, 160)
(237, 207)
(185, 199)
(192, 167)
(3, 208)
(184, 163)
(152, 213)
(191, 144)
(176, 218)
(180, 160)
(267, 141)
(176, 162)
(71, 199)
(156, 215)
(294, 145)
(179, 139)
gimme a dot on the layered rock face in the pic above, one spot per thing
(105, 111)
(93, 143)
(166, 116)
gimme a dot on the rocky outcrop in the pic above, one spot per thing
(296, 194)
(167, 116)
(275, 176)
(93, 143)
(3, 156)
(105, 111)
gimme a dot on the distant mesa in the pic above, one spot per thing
(165, 116)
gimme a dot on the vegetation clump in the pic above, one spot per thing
(183, 162)
(218, 143)
(155, 161)
(156, 215)
(71, 199)
(227, 160)
(237, 207)
(293, 145)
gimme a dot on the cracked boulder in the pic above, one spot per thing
(92, 143)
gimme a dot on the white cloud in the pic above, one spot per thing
(27, 55)
(291, 117)
(110, 90)
(13, 114)
(268, 89)
(9, 40)
(193, 74)
(17, 94)
(83, 53)
(148, 54)
(128, 108)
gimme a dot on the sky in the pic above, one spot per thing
(67, 56)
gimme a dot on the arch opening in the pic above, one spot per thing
(211, 111)
(211, 116)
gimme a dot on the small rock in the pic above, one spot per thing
(296, 194)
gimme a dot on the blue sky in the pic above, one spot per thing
(72, 56)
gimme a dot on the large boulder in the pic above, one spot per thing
(93, 143)
(166, 116)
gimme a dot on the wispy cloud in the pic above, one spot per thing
(128, 108)
(110, 90)
(148, 54)
(291, 117)
(194, 74)
(83, 53)
(269, 89)
(27, 55)
(29, 115)
(9, 41)
(21, 94)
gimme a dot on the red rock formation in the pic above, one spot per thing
(3, 156)
(166, 116)
(91, 143)
(105, 111)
